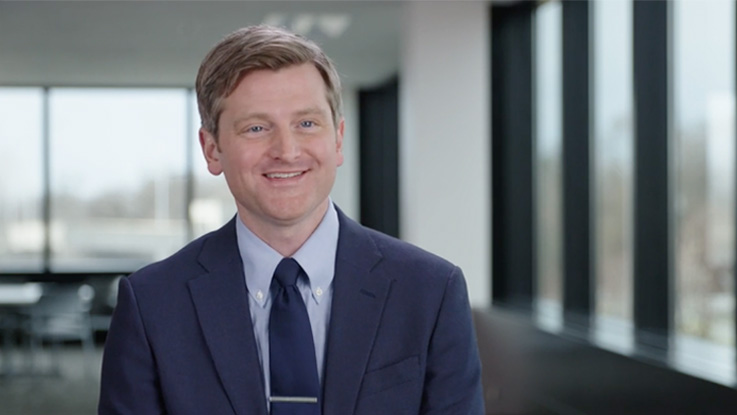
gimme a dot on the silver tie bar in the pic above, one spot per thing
(293, 399)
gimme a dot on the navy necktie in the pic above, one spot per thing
(295, 387)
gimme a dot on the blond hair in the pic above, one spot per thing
(254, 48)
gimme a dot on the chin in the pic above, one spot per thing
(294, 211)
(287, 213)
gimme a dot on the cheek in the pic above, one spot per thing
(330, 152)
(243, 158)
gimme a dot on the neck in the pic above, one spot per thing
(285, 237)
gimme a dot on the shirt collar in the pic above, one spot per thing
(316, 256)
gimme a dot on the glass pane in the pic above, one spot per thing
(548, 78)
(212, 204)
(704, 167)
(118, 164)
(21, 180)
(613, 146)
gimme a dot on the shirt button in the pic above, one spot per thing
(260, 295)
(318, 291)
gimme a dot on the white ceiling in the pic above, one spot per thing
(161, 43)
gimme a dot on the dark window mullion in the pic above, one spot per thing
(379, 152)
(576, 171)
(652, 233)
(513, 265)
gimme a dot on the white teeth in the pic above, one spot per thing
(282, 175)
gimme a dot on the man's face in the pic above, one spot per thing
(278, 146)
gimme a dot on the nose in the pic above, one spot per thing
(285, 145)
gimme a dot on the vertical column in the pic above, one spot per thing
(444, 135)
(512, 155)
(577, 171)
(346, 190)
(379, 143)
(652, 249)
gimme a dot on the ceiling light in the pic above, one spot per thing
(332, 25)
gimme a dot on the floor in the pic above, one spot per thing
(526, 372)
(45, 388)
(545, 374)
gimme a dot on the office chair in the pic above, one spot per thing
(61, 314)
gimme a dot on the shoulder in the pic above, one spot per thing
(398, 252)
(191, 260)
(395, 259)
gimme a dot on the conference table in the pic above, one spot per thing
(14, 298)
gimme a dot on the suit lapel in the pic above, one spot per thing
(358, 302)
(221, 301)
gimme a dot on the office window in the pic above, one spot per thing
(118, 168)
(704, 167)
(21, 180)
(212, 204)
(548, 136)
(613, 154)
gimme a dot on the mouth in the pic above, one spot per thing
(284, 175)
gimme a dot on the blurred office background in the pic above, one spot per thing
(576, 159)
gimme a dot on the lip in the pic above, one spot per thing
(284, 176)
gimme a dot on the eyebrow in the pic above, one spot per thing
(249, 117)
(264, 116)
(310, 111)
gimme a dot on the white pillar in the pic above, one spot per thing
(346, 192)
(445, 136)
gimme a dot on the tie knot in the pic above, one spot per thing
(287, 272)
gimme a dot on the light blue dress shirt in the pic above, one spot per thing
(317, 258)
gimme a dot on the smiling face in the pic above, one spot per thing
(278, 148)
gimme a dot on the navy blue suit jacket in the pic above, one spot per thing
(400, 341)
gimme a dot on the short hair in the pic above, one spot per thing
(255, 48)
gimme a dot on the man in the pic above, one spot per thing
(366, 325)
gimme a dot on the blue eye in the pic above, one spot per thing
(256, 129)
(307, 124)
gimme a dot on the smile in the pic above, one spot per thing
(283, 175)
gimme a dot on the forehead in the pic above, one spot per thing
(295, 82)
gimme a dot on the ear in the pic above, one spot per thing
(339, 141)
(211, 151)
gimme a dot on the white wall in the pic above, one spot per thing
(346, 192)
(445, 136)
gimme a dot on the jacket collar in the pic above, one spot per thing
(221, 300)
(358, 295)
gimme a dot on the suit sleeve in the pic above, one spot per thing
(453, 376)
(129, 383)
